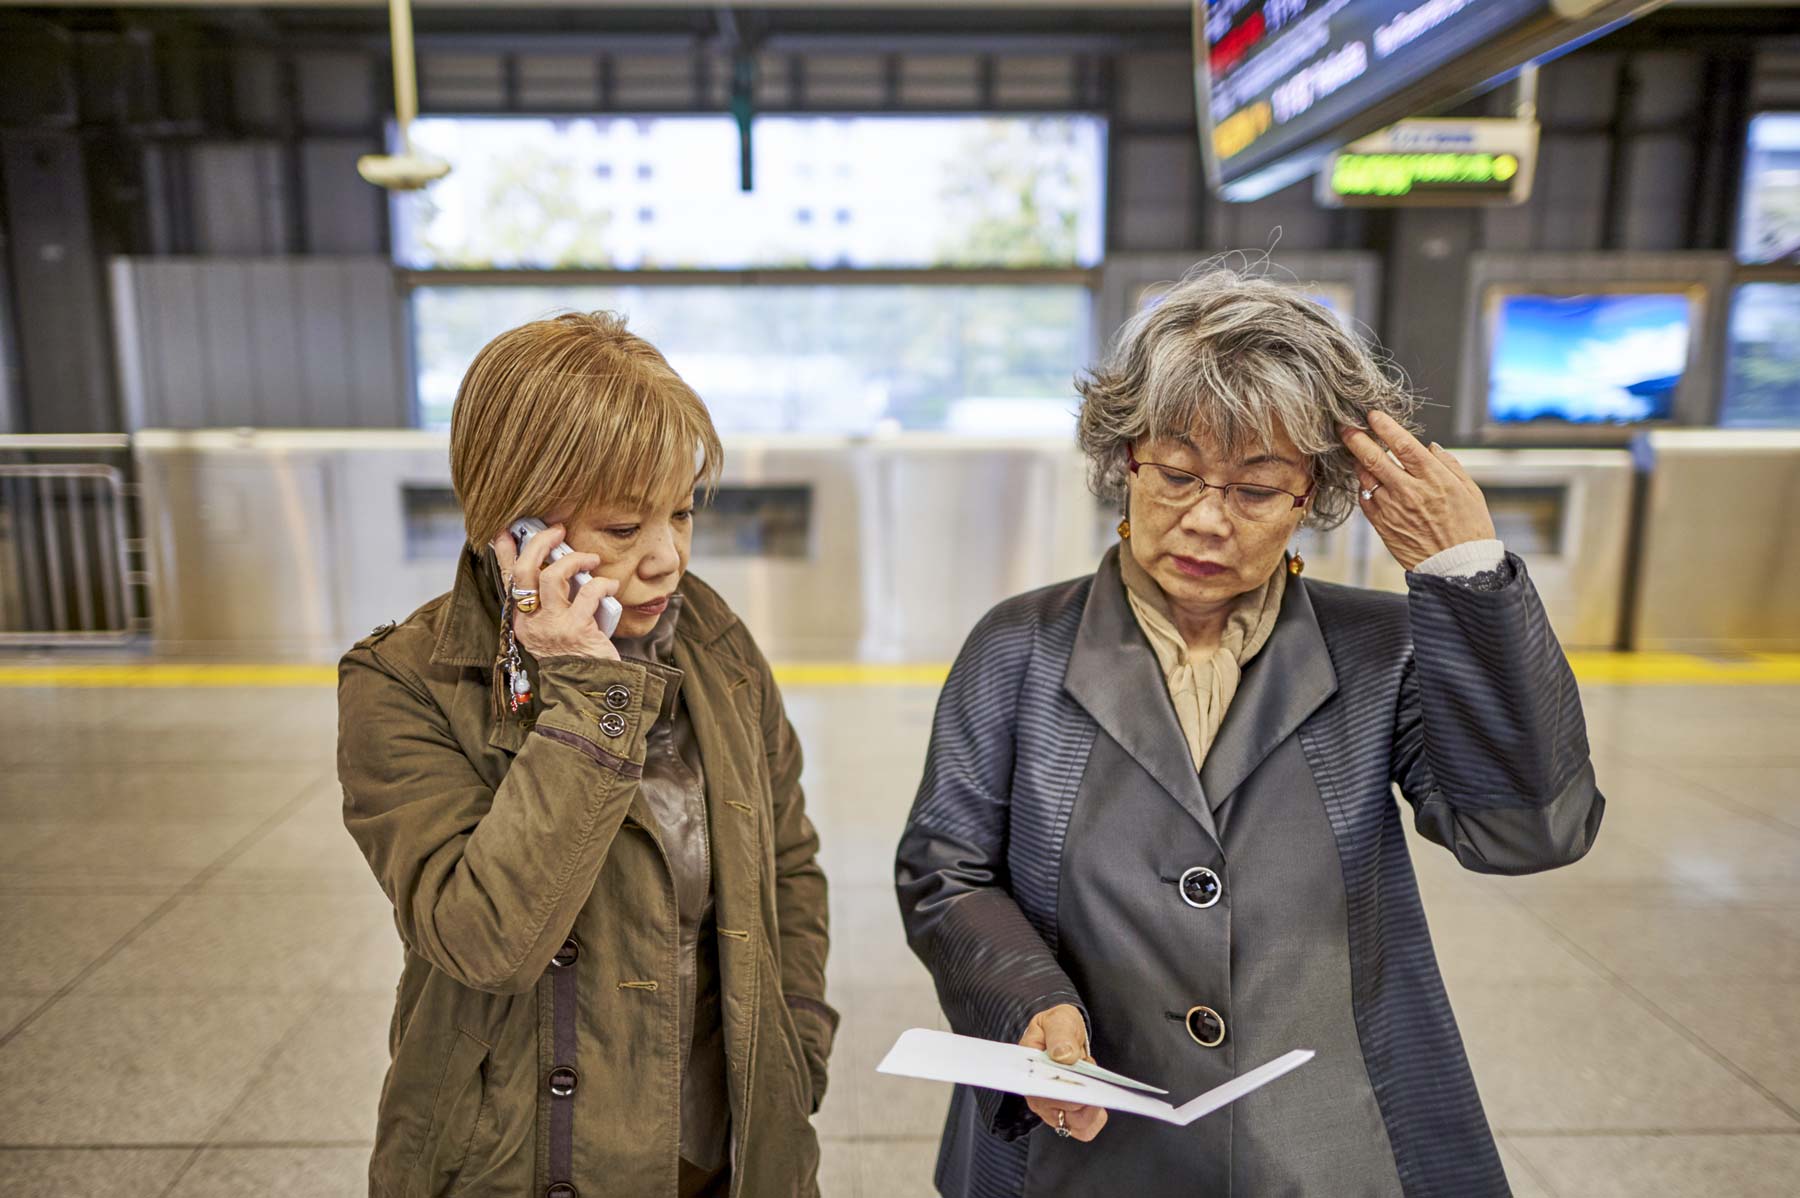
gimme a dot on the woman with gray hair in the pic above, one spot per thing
(1156, 827)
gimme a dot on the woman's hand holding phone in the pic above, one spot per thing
(561, 626)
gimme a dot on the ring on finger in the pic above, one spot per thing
(1062, 1124)
(1368, 493)
(525, 599)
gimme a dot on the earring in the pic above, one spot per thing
(1296, 564)
(1125, 529)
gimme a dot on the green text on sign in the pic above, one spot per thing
(1400, 174)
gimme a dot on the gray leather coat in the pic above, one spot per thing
(1051, 857)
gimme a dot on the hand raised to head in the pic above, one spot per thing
(1420, 499)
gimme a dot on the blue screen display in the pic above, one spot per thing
(1588, 359)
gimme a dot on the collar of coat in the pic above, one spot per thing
(470, 633)
(1114, 674)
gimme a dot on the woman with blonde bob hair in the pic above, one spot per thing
(596, 845)
(1157, 827)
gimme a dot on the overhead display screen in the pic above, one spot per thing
(1282, 75)
(1586, 359)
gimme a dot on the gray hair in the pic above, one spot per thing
(1239, 357)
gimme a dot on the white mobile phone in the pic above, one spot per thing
(610, 611)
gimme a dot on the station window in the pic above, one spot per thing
(1769, 227)
(1762, 374)
(530, 193)
(851, 358)
(1016, 198)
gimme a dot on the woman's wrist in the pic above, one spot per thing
(1461, 561)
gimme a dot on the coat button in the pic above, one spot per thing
(1200, 887)
(565, 956)
(561, 1189)
(1206, 1026)
(562, 1081)
(613, 724)
(617, 698)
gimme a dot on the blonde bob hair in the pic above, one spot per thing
(1238, 357)
(571, 412)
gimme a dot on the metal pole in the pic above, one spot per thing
(406, 84)
(110, 530)
(59, 600)
(14, 551)
(84, 594)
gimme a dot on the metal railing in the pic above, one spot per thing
(65, 548)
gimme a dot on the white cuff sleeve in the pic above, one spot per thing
(1460, 561)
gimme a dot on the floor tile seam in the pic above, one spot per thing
(1595, 972)
(1734, 761)
(240, 993)
(168, 904)
(1646, 1133)
(1537, 1177)
(1620, 983)
(246, 764)
(187, 1145)
(1695, 895)
(1739, 807)
(263, 1069)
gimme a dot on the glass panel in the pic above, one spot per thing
(1587, 359)
(1770, 226)
(1762, 379)
(1529, 519)
(658, 193)
(979, 359)
(755, 522)
(433, 523)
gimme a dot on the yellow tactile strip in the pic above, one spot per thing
(1594, 669)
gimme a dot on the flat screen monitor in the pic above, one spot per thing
(1283, 82)
(1594, 359)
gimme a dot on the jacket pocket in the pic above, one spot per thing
(455, 1110)
(799, 1073)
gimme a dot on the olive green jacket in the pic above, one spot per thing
(504, 841)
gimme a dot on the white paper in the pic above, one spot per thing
(966, 1060)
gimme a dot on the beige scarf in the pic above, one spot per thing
(1202, 693)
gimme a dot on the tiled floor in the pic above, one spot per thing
(196, 970)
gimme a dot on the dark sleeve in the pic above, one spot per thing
(1491, 747)
(992, 969)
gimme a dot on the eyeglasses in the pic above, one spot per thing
(1181, 488)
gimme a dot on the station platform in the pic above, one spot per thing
(197, 969)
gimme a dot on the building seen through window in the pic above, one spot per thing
(988, 355)
(921, 192)
(1769, 225)
(850, 359)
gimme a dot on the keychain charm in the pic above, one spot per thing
(508, 664)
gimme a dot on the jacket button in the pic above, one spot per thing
(1200, 887)
(562, 1081)
(565, 956)
(618, 698)
(561, 1189)
(1206, 1026)
(613, 724)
